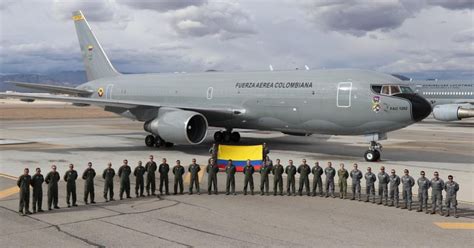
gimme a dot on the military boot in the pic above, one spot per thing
(409, 207)
(420, 209)
(447, 213)
(456, 212)
(251, 192)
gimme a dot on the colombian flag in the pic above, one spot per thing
(239, 156)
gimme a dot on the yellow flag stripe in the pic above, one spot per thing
(240, 153)
(456, 225)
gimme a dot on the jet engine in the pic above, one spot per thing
(451, 112)
(178, 126)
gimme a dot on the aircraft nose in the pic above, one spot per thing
(420, 107)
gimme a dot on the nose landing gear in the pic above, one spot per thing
(373, 154)
(156, 141)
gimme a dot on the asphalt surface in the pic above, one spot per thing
(229, 221)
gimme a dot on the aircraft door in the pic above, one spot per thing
(344, 90)
(108, 91)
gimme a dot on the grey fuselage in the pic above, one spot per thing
(338, 102)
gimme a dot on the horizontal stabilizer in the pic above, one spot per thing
(52, 88)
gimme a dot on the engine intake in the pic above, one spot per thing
(178, 126)
(452, 112)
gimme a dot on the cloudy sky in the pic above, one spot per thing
(419, 38)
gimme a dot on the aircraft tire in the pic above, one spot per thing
(377, 155)
(159, 142)
(370, 156)
(235, 137)
(150, 140)
(226, 136)
(218, 137)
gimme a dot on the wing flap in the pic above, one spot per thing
(52, 88)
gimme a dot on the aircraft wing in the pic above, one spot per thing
(127, 104)
(52, 88)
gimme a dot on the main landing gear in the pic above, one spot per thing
(157, 141)
(373, 154)
(226, 136)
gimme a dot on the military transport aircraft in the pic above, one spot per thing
(179, 108)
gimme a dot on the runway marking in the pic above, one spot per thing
(8, 176)
(8, 192)
(455, 225)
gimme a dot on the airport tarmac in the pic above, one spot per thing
(220, 220)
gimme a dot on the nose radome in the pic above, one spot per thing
(420, 107)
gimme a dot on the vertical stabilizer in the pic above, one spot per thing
(95, 60)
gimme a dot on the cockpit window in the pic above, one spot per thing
(377, 88)
(394, 89)
(390, 90)
(406, 89)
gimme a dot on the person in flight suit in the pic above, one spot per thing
(164, 169)
(290, 171)
(213, 152)
(124, 174)
(278, 171)
(52, 179)
(265, 170)
(356, 176)
(70, 178)
(317, 180)
(88, 176)
(212, 169)
(383, 179)
(230, 177)
(23, 183)
(194, 169)
(393, 188)
(424, 185)
(37, 184)
(437, 186)
(139, 173)
(178, 172)
(370, 179)
(342, 174)
(265, 151)
(451, 188)
(248, 180)
(304, 170)
(150, 169)
(407, 185)
(108, 176)
(330, 174)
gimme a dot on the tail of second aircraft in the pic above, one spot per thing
(95, 60)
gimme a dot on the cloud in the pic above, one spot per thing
(97, 10)
(464, 36)
(432, 60)
(359, 17)
(452, 4)
(161, 6)
(224, 20)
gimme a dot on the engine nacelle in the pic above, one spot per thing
(178, 126)
(451, 112)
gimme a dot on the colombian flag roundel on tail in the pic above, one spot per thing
(239, 156)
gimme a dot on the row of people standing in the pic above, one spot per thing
(386, 182)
